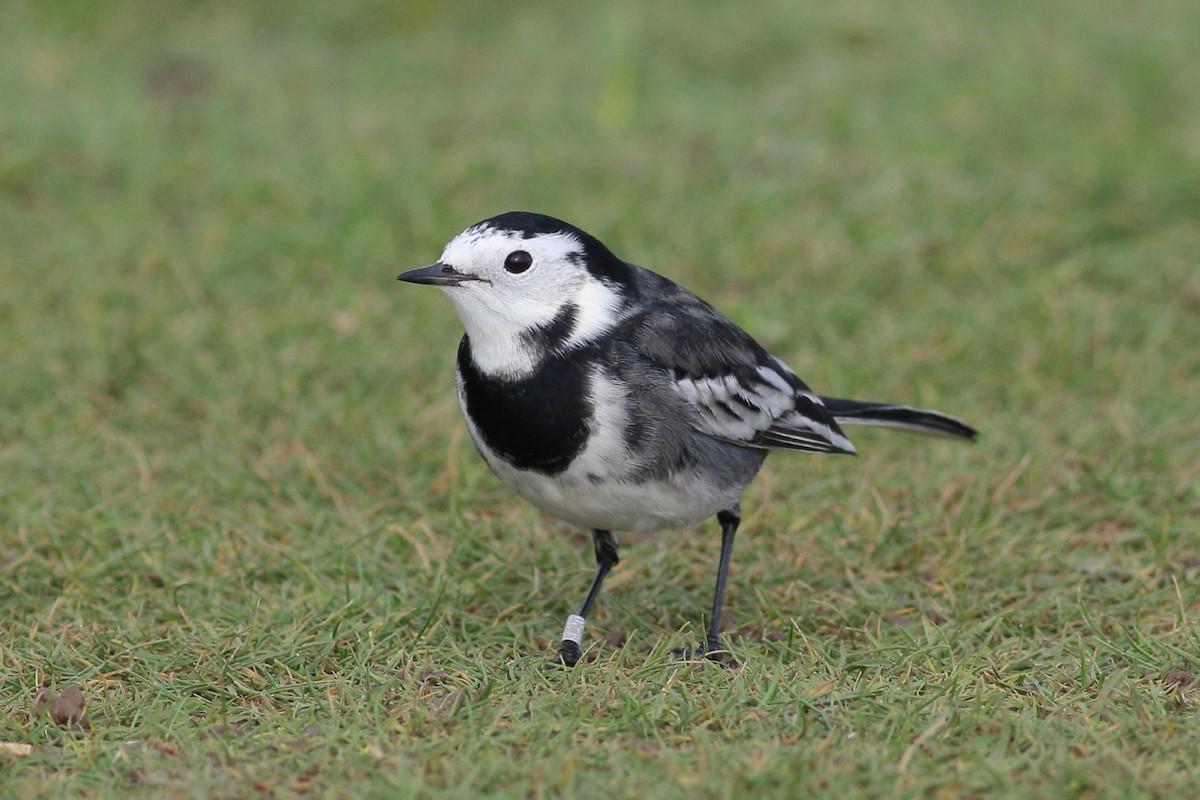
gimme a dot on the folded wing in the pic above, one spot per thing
(741, 394)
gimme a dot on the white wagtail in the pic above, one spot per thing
(615, 400)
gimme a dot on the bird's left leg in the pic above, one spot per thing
(607, 557)
(711, 648)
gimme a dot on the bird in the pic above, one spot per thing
(615, 400)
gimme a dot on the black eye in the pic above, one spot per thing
(518, 261)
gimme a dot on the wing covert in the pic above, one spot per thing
(741, 394)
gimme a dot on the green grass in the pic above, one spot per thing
(237, 507)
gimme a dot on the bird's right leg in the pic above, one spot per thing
(606, 558)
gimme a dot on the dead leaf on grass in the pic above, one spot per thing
(447, 704)
(616, 638)
(432, 677)
(66, 708)
(40, 700)
(15, 749)
(1179, 679)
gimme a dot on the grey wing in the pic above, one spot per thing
(741, 394)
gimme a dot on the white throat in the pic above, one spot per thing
(498, 350)
(504, 346)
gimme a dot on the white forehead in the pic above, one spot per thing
(483, 243)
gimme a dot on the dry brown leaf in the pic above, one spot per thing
(66, 708)
(40, 700)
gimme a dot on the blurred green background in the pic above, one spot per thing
(236, 503)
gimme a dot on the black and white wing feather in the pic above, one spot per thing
(741, 394)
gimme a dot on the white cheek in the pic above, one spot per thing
(599, 309)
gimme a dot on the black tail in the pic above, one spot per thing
(890, 415)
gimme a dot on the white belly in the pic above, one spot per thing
(593, 501)
(599, 490)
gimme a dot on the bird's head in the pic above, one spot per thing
(526, 285)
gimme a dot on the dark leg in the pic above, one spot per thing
(712, 638)
(606, 558)
(711, 648)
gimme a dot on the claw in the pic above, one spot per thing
(706, 653)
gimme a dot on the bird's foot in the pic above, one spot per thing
(568, 655)
(706, 651)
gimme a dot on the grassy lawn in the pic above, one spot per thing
(239, 512)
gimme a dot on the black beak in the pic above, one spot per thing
(438, 274)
